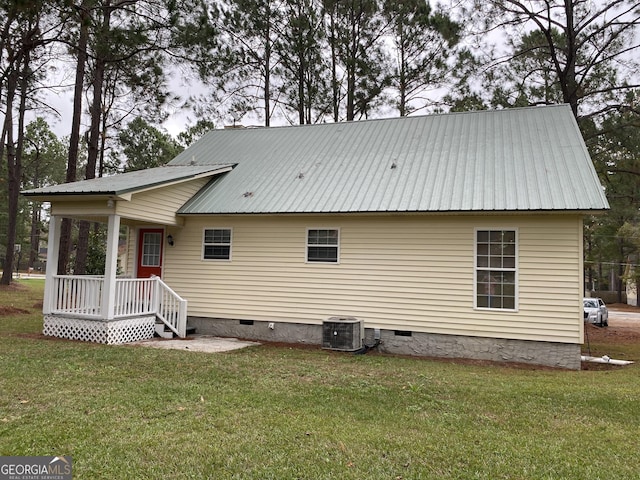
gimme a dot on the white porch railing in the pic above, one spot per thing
(82, 296)
(171, 309)
(135, 296)
(77, 295)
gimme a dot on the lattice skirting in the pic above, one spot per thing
(112, 333)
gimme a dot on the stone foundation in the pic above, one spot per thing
(561, 355)
(113, 332)
(281, 332)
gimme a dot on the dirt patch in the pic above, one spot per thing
(623, 329)
(9, 310)
(13, 287)
(624, 326)
(615, 333)
(12, 311)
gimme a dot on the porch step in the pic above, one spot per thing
(165, 332)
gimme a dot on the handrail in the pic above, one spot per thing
(82, 296)
(172, 308)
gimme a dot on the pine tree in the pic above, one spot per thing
(423, 42)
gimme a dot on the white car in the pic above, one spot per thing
(595, 311)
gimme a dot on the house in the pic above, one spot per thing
(454, 235)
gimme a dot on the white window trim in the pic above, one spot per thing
(306, 246)
(516, 270)
(230, 245)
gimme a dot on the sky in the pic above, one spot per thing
(62, 101)
(178, 119)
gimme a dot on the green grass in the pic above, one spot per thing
(272, 412)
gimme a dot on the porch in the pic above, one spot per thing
(108, 308)
(141, 307)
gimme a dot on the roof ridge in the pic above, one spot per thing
(383, 119)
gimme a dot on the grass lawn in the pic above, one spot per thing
(273, 412)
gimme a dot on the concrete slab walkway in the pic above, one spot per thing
(197, 343)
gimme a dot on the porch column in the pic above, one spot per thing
(110, 268)
(53, 251)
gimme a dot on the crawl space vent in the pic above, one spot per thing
(342, 333)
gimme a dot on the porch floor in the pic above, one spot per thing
(197, 343)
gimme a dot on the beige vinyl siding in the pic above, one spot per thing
(159, 205)
(88, 209)
(400, 272)
(132, 251)
(155, 206)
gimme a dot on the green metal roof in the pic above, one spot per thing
(130, 182)
(529, 159)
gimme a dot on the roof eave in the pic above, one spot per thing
(121, 194)
(593, 211)
(66, 196)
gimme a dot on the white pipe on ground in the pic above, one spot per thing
(605, 359)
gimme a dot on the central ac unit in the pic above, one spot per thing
(343, 333)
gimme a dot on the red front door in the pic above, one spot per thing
(150, 241)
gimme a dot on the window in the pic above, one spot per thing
(322, 246)
(151, 249)
(496, 269)
(217, 244)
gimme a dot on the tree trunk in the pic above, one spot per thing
(590, 268)
(620, 272)
(402, 83)
(351, 70)
(34, 237)
(301, 84)
(74, 139)
(569, 84)
(22, 109)
(334, 67)
(267, 67)
(13, 181)
(94, 141)
(599, 273)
